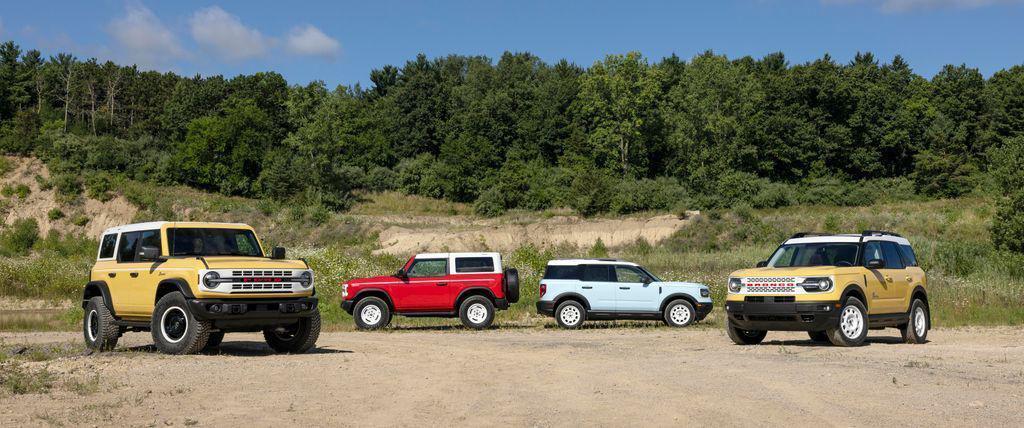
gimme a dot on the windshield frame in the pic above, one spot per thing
(778, 251)
(654, 277)
(170, 234)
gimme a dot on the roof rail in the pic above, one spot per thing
(879, 233)
(803, 234)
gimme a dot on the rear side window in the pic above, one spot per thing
(107, 246)
(892, 255)
(474, 264)
(598, 273)
(562, 272)
(908, 255)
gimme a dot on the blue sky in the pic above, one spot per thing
(339, 42)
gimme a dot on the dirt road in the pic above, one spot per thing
(544, 377)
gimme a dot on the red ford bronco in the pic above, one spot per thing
(467, 285)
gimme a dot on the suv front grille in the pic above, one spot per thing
(770, 299)
(262, 273)
(261, 286)
(771, 288)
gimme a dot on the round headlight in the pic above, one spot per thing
(734, 285)
(306, 279)
(825, 284)
(209, 280)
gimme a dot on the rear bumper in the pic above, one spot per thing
(546, 308)
(253, 309)
(791, 316)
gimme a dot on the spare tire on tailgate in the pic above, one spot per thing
(510, 285)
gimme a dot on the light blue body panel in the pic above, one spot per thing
(623, 296)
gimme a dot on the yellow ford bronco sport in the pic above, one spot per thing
(835, 287)
(189, 283)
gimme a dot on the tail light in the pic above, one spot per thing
(543, 289)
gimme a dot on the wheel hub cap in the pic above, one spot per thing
(920, 322)
(174, 324)
(679, 314)
(92, 325)
(570, 315)
(477, 313)
(370, 314)
(851, 323)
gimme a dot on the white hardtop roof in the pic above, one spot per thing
(446, 255)
(848, 237)
(158, 224)
(574, 262)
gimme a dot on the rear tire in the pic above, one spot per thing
(744, 337)
(297, 338)
(818, 336)
(98, 326)
(371, 313)
(679, 313)
(852, 327)
(916, 330)
(175, 330)
(570, 314)
(476, 312)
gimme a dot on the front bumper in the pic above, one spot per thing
(253, 309)
(546, 308)
(785, 316)
(348, 305)
(703, 309)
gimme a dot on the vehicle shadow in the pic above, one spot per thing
(811, 343)
(237, 349)
(454, 328)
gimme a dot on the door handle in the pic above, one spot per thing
(442, 284)
(134, 274)
(623, 288)
(888, 278)
(111, 274)
(587, 287)
(909, 279)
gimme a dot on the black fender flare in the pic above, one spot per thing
(486, 292)
(98, 288)
(575, 296)
(374, 291)
(924, 294)
(850, 290)
(171, 285)
(677, 296)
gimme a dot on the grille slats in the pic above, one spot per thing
(238, 273)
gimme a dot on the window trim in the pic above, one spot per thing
(99, 251)
(413, 264)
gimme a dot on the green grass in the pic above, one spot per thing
(385, 203)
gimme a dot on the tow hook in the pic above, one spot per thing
(290, 308)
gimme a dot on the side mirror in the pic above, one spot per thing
(648, 280)
(762, 263)
(876, 264)
(277, 253)
(149, 253)
(400, 273)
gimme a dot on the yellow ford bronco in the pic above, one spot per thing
(835, 287)
(189, 283)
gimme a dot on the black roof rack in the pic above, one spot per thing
(879, 233)
(803, 234)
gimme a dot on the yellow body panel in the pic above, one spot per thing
(133, 285)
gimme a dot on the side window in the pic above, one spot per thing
(129, 243)
(423, 268)
(107, 246)
(628, 274)
(474, 264)
(597, 273)
(150, 238)
(908, 255)
(872, 251)
(892, 255)
(562, 272)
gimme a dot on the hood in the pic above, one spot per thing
(234, 262)
(794, 271)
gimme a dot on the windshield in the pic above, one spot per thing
(817, 254)
(213, 242)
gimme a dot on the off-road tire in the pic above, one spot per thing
(909, 331)
(214, 341)
(818, 336)
(382, 312)
(472, 319)
(172, 310)
(98, 326)
(839, 335)
(300, 337)
(510, 285)
(679, 313)
(566, 321)
(740, 336)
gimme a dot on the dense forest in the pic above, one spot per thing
(622, 135)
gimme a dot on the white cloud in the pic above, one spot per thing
(225, 35)
(898, 6)
(309, 40)
(143, 39)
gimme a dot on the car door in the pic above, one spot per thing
(598, 286)
(880, 282)
(425, 287)
(134, 276)
(635, 292)
(122, 277)
(900, 277)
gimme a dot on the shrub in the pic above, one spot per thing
(647, 195)
(55, 214)
(68, 187)
(80, 220)
(6, 166)
(599, 249)
(491, 203)
(380, 179)
(18, 238)
(98, 186)
(1008, 224)
(593, 192)
(43, 183)
(20, 190)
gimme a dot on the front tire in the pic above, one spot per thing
(916, 330)
(740, 336)
(570, 314)
(297, 338)
(852, 328)
(371, 313)
(679, 313)
(175, 330)
(98, 326)
(214, 341)
(476, 312)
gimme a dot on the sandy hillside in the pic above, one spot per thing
(39, 202)
(544, 377)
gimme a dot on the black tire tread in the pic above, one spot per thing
(309, 332)
(109, 333)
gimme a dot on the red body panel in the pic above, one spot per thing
(434, 294)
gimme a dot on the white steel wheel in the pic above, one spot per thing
(920, 321)
(570, 315)
(174, 324)
(477, 313)
(92, 325)
(370, 314)
(680, 314)
(851, 322)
